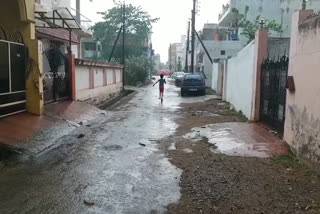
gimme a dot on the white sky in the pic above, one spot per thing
(173, 14)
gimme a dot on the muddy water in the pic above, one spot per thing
(238, 139)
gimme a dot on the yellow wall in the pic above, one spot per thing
(18, 15)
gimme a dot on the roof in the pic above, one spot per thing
(59, 34)
(59, 18)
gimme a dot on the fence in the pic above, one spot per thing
(96, 82)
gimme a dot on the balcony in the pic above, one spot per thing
(227, 17)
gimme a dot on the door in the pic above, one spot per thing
(56, 78)
(12, 78)
(273, 93)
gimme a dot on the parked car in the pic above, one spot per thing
(193, 83)
(173, 76)
(178, 78)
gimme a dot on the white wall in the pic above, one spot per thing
(118, 76)
(110, 79)
(215, 67)
(239, 80)
(82, 78)
(98, 77)
(103, 85)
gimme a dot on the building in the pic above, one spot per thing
(56, 37)
(157, 62)
(20, 72)
(278, 10)
(91, 49)
(175, 57)
(220, 45)
(302, 124)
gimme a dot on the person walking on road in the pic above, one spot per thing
(161, 82)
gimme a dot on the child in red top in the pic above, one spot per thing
(161, 82)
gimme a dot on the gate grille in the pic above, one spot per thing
(273, 93)
(12, 78)
(56, 78)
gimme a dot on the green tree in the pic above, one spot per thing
(136, 70)
(138, 28)
(250, 27)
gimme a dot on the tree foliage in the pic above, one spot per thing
(138, 28)
(250, 27)
(136, 70)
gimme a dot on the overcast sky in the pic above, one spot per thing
(173, 14)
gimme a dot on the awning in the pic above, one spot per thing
(57, 34)
(59, 18)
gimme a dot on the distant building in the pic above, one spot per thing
(91, 49)
(278, 10)
(157, 62)
(175, 57)
(220, 46)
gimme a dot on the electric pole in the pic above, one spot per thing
(78, 16)
(186, 68)
(170, 66)
(193, 35)
(123, 41)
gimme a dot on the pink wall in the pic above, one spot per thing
(260, 54)
(302, 125)
(96, 82)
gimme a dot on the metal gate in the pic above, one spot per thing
(273, 93)
(12, 78)
(56, 78)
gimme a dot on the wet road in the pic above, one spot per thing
(112, 165)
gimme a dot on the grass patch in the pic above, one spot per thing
(291, 161)
(234, 113)
(205, 140)
(287, 160)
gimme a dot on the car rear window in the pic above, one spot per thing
(193, 77)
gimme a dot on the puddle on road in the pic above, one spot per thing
(224, 140)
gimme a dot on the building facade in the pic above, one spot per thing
(21, 70)
(175, 57)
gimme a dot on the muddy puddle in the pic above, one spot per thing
(226, 140)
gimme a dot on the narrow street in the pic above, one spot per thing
(187, 155)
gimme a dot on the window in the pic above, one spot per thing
(4, 68)
(90, 46)
(18, 82)
(223, 52)
(193, 77)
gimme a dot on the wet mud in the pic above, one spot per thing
(223, 173)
